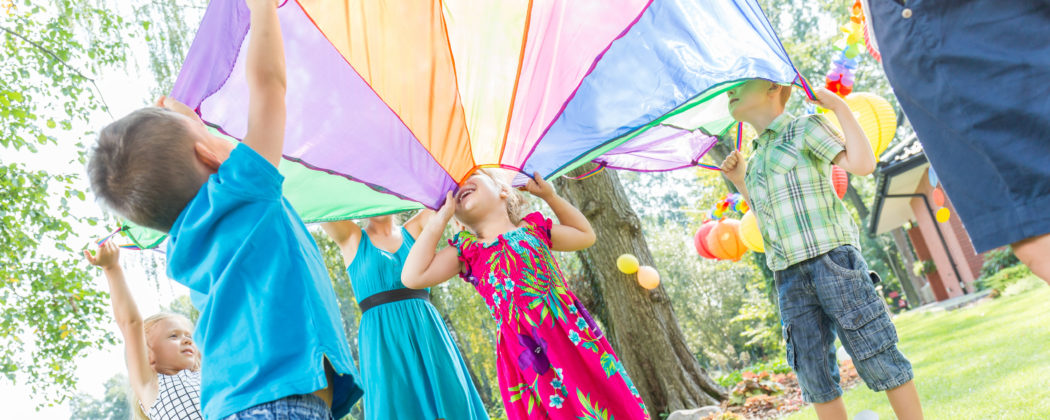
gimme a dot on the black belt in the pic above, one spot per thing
(392, 296)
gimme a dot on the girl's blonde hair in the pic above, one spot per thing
(147, 324)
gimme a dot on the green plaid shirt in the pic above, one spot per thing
(789, 183)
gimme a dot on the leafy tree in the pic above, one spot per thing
(50, 312)
(183, 306)
(114, 405)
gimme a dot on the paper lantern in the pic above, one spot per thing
(648, 277)
(943, 214)
(700, 240)
(749, 233)
(876, 116)
(840, 180)
(627, 264)
(724, 240)
(938, 197)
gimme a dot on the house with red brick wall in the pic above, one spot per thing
(905, 200)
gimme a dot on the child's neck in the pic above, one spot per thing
(491, 227)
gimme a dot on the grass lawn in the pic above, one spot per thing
(990, 361)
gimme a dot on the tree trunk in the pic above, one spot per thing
(639, 323)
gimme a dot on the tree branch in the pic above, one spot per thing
(55, 57)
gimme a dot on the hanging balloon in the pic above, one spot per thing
(750, 235)
(648, 277)
(724, 240)
(938, 197)
(840, 180)
(932, 177)
(627, 264)
(876, 117)
(943, 214)
(700, 240)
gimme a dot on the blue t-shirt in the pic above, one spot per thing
(268, 313)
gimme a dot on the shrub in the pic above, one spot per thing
(997, 260)
(774, 366)
(999, 281)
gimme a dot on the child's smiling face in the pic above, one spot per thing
(478, 196)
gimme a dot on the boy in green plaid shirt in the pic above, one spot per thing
(811, 244)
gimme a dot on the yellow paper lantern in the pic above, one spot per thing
(749, 233)
(627, 264)
(648, 277)
(876, 116)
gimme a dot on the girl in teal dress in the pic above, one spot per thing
(410, 366)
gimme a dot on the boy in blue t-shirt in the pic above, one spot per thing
(269, 329)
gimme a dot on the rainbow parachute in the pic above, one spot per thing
(392, 103)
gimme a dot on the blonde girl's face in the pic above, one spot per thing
(477, 196)
(171, 346)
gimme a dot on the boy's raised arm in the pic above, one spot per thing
(858, 158)
(266, 82)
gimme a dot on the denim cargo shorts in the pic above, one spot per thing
(833, 294)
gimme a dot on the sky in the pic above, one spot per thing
(124, 90)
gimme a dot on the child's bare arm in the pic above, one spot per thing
(858, 158)
(424, 267)
(141, 376)
(266, 82)
(572, 232)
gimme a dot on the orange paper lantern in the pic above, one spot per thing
(700, 240)
(724, 240)
(840, 180)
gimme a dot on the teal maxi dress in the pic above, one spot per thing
(410, 367)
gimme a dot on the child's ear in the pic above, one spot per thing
(207, 156)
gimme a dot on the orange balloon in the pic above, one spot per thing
(648, 277)
(724, 240)
(938, 197)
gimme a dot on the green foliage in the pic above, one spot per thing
(50, 312)
(706, 295)
(997, 260)
(774, 365)
(760, 319)
(114, 405)
(183, 306)
(1003, 279)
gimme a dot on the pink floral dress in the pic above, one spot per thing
(553, 361)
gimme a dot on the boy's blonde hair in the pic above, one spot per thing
(137, 412)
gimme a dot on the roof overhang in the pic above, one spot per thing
(902, 177)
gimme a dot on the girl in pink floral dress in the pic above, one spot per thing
(553, 361)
